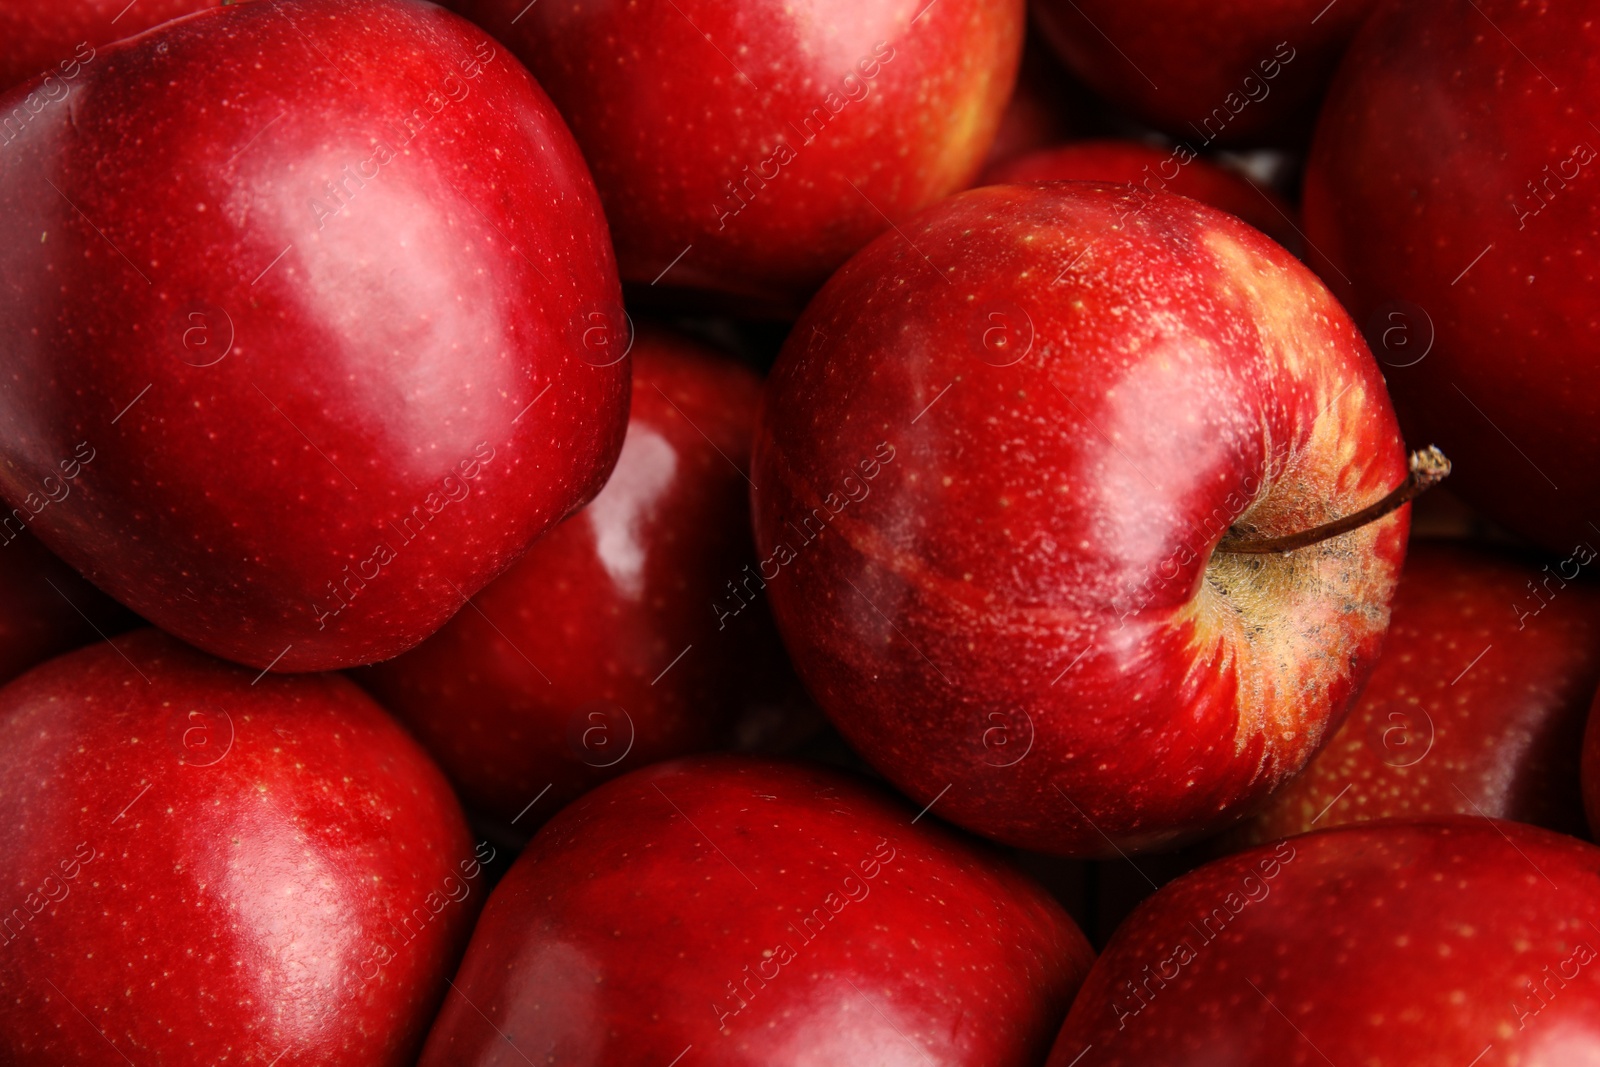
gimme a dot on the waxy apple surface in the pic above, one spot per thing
(748, 912)
(1450, 941)
(1063, 396)
(59, 38)
(750, 147)
(1476, 707)
(199, 868)
(1155, 169)
(310, 305)
(1233, 71)
(1452, 200)
(615, 642)
(46, 608)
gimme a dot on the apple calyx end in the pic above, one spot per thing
(1427, 468)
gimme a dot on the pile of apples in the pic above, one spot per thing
(837, 532)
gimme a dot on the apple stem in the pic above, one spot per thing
(1429, 467)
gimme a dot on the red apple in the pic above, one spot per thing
(750, 147)
(1218, 72)
(1061, 398)
(1476, 707)
(58, 40)
(1452, 200)
(1456, 941)
(1156, 169)
(205, 868)
(48, 608)
(600, 651)
(733, 911)
(307, 310)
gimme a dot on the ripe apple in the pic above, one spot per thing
(205, 868)
(308, 312)
(735, 911)
(1451, 200)
(617, 640)
(750, 147)
(59, 39)
(1226, 73)
(1156, 169)
(48, 607)
(1459, 940)
(1477, 705)
(1074, 406)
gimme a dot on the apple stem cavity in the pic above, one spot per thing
(1429, 467)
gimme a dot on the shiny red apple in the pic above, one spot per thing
(46, 608)
(1007, 463)
(1207, 72)
(1476, 707)
(59, 39)
(1453, 202)
(1154, 169)
(1455, 941)
(309, 312)
(750, 147)
(205, 866)
(731, 911)
(631, 633)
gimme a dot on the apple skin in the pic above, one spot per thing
(1432, 148)
(624, 931)
(1389, 942)
(59, 38)
(48, 608)
(669, 125)
(604, 605)
(247, 849)
(1473, 708)
(1158, 169)
(1052, 401)
(362, 353)
(1230, 72)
